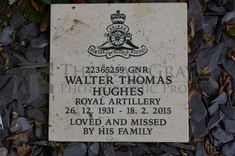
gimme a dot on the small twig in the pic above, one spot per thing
(33, 66)
(33, 150)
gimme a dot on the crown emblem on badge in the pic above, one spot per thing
(119, 41)
(118, 18)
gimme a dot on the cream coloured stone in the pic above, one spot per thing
(119, 72)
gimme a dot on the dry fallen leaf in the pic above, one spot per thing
(5, 57)
(230, 27)
(38, 7)
(191, 92)
(208, 147)
(14, 115)
(154, 145)
(189, 49)
(230, 92)
(24, 149)
(19, 138)
(231, 54)
(205, 4)
(37, 123)
(53, 144)
(223, 80)
(191, 28)
(60, 151)
(204, 94)
(205, 72)
(190, 112)
(209, 40)
(183, 153)
(45, 22)
(217, 154)
(121, 148)
(196, 140)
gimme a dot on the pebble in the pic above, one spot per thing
(94, 148)
(17, 19)
(229, 125)
(199, 111)
(221, 99)
(210, 87)
(229, 149)
(39, 42)
(75, 149)
(215, 119)
(6, 35)
(222, 136)
(127, 153)
(3, 151)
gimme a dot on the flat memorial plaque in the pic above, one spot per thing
(119, 73)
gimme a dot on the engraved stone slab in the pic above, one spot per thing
(119, 73)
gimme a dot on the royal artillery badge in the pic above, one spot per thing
(118, 41)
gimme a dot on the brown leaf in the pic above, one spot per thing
(5, 10)
(38, 6)
(37, 123)
(15, 115)
(24, 149)
(223, 81)
(154, 145)
(217, 154)
(191, 28)
(18, 139)
(205, 72)
(223, 77)
(204, 94)
(189, 49)
(190, 112)
(58, 146)
(205, 4)
(230, 27)
(231, 54)
(5, 57)
(121, 148)
(209, 40)
(45, 22)
(54, 144)
(230, 92)
(191, 92)
(208, 147)
(222, 154)
(183, 153)
(60, 151)
(196, 140)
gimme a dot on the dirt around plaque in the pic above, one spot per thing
(119, 73)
